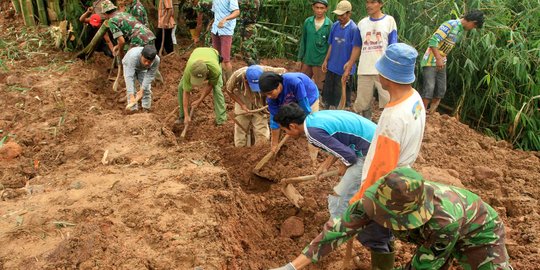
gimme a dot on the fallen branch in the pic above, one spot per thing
(293, 195)
(300, 179)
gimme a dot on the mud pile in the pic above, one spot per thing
(95, 187)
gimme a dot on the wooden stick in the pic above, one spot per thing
(300, 179)
(348, 255)
(236, 122)
(117, 81)
(184, 131)
(171, 114)
(268, 156)
(293, 195)
(253, 111)
(162, 42)
(341, 104)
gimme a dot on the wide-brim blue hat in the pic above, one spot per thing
(253, 73)
(397, 63)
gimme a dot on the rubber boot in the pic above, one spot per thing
(382, 260)
(434, 104)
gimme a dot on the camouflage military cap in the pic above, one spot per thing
(107, 6)
(399, 200)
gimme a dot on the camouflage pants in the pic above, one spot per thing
(485, 250)
(248, 47)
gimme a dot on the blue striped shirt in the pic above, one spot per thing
(344, 134)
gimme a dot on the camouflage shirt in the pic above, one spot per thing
(249, 11)
(137, 10)
(135, 33)
(461, 222)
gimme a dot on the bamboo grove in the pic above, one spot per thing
(493, 77)
(493, 73)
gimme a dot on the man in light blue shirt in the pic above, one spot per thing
(140, 64)
(225, 13)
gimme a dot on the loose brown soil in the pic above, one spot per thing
(158, 202)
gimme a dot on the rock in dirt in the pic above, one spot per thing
(77, 185)
(441, 176)
(483, 172)
(12, 80)
(292, 227)
(10, 150)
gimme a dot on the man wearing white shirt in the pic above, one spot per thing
(377, 31)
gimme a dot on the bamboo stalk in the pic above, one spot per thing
(42, 12)
(16, 5)
(277, 33)
(54, 7)
(89, 49)
(27, 11)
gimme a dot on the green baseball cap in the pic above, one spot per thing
(199, 72)
(399, 200)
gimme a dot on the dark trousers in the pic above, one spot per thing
(168, 47)
(331, 93)
(376, 237)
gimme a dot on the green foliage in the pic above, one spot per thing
(22, 44)
(493, 75)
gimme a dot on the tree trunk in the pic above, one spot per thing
(89, 49)
(42, 11)
(27, 11)
(54, 9)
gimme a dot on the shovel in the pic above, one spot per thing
(184, 131)
(268, 156)
(341, 104)
(136, 100)
(116, 82)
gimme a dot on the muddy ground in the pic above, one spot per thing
(159, 202)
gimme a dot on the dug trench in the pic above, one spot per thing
(157, 202)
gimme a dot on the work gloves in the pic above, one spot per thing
(288, 266)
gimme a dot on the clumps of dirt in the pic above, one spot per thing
(291, 161)
(505, 178)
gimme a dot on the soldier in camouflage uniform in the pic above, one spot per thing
(137, 10)
(204, 18)
(445, 222)
(249, 11)
(126, 29)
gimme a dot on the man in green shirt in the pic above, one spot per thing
(314, 42)
(203, 65)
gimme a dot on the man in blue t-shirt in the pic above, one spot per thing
(345, 135)
(284, 89)
(344, 39)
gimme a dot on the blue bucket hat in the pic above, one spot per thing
(253, 73)
(397, 63)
